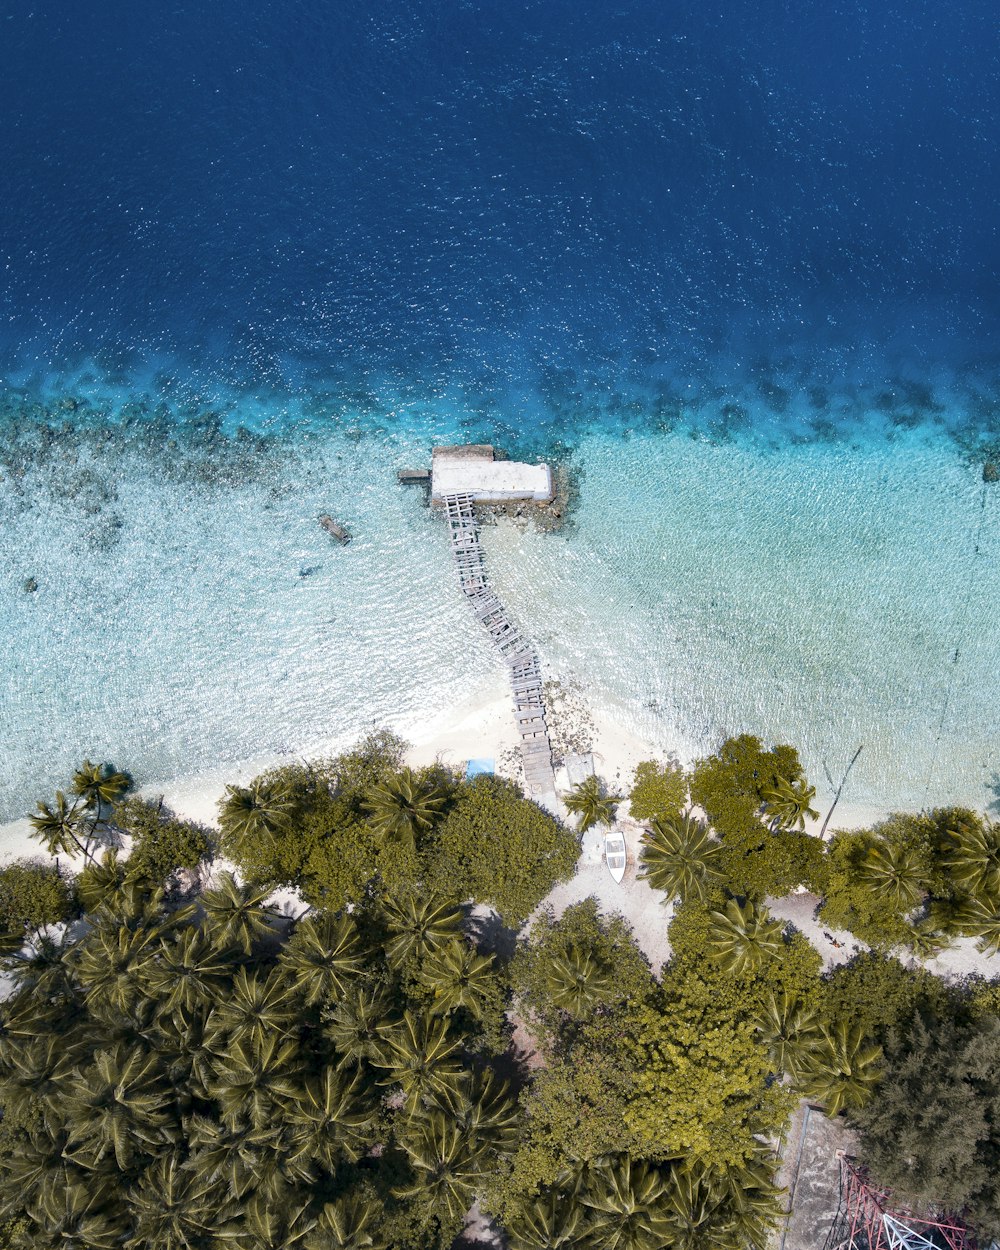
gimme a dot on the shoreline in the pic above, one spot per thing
(480, 727)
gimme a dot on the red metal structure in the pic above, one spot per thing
(872, 1218)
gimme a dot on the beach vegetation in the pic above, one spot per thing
(405, 806)
(786, 803)
(497, 847)
(196, 1070)
(195, 1064)
(756, 800)
(879, 994)
(33, 895)
(659, 791)
(580, 964)
(590, 802)
(933, 1132)
(76, 825)
(842, 1068)
(680, 856)
(161, 842)
(743, 937)
(361, 822)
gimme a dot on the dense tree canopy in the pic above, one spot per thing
(934, 1129)
(188, 1072)
(189, 1069)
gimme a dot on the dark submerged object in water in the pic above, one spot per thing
(340, 532)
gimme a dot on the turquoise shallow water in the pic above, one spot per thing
(190, 613)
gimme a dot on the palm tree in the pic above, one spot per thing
(176, 1205)
(60, 827)
(418, 925)
(101, 880)
(99, 785)
(549, 1223)
(227, 1155)
(680, 856)
(236, 914)
(925, 938)
(458, 977)
(422, 1057)
(190, 970)
(328, 1118)
(350, 1222)
(972, 856)
(743, 938)
(588, 801)
(752, 1200)
(692, 1200)
(789, 1029)
(482, 1107)
(258, 1008)
(447, 1164)
(577, 982)
(358, 1022)
(894, 875)
(119, 1106)
(252, 814)
(626, 1209)
(278, 1226)
(404, 807)
(252, 1083)
(322, 956)
(980, 918)
(787, 803)
(73, 1212)
(843, 1068)
(40, 970)
(113, 963)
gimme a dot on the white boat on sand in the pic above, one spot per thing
(615, 854)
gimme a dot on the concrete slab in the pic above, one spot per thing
(810, 1174)
(454, 471)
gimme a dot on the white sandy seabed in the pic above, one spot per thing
(830, 596)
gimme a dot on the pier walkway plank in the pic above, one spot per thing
(514, 649)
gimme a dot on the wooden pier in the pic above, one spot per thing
(514, 649)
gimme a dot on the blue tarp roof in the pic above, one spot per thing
(475, 767)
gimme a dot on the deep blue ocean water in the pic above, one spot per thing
(528, 207)
(750, 249)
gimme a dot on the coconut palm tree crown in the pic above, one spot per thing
(894, 874)
(589, 801)
(843, 1068)
(680, 856)
(744, 937)
(972, 855)
(254, 813)
(787, 803)
(404, 807)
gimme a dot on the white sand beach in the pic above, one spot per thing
(482, 727)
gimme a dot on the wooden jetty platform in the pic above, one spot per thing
(513, 648)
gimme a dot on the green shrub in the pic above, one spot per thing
(658, 790)
(32, 895)
(161, 841)
(498, 847)
(878, 993)
(729, 785)
(622, 972)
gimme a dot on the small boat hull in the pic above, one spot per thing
(615, 855)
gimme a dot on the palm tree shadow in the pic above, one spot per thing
(994, 785)
(513, 1067)
(492, 936)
